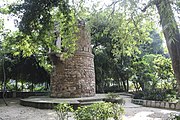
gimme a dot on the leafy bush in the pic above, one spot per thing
(174, 117)
(114, 98)
(99, 111)
(171, 95)
(63, 110)
(117, 111)
(40, 89)
(157, 95)
(138, 95)
(96, 111)
(113, 88)
(112, 95)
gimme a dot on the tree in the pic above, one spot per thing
(152, 47)
(171, 32)
(167, 19)
(36, 27)
(114, 47)
(153, 71)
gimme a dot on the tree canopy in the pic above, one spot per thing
(125, 39)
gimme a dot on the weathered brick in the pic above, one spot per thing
(75, 76)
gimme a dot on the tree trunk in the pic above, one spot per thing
(124, 85)
(32, 86)
(172, 35)
(46, 86)
(16, 85)
(22, 86)
(1, 85)
(127, 82)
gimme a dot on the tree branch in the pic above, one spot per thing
(155, 2)
(150, 3)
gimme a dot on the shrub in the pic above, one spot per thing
(138, 95)
(63, 110)
(114, 98)
(174, 117)
(112, 95)
(157, 95)
(96, 111)
(99, 111)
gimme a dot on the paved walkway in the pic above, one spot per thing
(132, 112)
(138, 112)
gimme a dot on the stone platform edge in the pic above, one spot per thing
(157, 104)
(46, 103)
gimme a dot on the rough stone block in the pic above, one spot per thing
(153, 104)
(148, 103)
(178, 106)
(162, 105)
(158, 103)
(172, 105)
(167, 105)
(144, 102)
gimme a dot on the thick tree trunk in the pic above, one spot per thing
(171, 33)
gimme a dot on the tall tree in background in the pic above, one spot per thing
(170, 30)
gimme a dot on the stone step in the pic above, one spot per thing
(44, 102)
(89, 103)
(91, 100)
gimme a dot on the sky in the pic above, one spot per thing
(8, 20)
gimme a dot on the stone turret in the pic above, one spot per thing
(75, 76)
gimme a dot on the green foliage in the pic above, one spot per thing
(174, 116)
(63, 110)
(96, 111)
(112, 95)
(153, 47)
(114, 98)
(26, 69)
(153, 71)
(40, 89)
(36, 29)
(99, 111)
(116, 41)
(157, 95)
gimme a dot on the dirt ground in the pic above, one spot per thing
(14, 111)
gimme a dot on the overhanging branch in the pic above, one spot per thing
(150, 3)
(155, 2)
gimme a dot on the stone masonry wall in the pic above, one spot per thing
(75, 77)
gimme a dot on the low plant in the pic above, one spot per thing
(63, 110)
(99, 111)
(174, 117)
(157, 95)
(96, 111)
(117, 112)
(112, 95)
(114, 98)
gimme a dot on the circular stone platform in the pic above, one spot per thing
(45, 102)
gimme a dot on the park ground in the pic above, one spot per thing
(14, 111)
